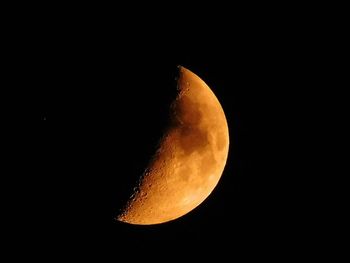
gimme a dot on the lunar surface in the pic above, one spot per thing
(190, 158)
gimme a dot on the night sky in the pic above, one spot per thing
(105, 100)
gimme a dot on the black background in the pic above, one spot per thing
(104, 97)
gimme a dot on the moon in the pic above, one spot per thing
(189, 160)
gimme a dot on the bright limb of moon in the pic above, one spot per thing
(190, 158)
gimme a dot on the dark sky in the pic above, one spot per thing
(105, 98)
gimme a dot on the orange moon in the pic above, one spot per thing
(190, 159)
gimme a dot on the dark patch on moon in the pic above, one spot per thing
(188, 118)
(193, 139)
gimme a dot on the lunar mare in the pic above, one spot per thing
(190, 158)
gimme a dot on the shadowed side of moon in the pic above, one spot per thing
(190, 158)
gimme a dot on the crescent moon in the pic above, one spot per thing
(190, 159)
